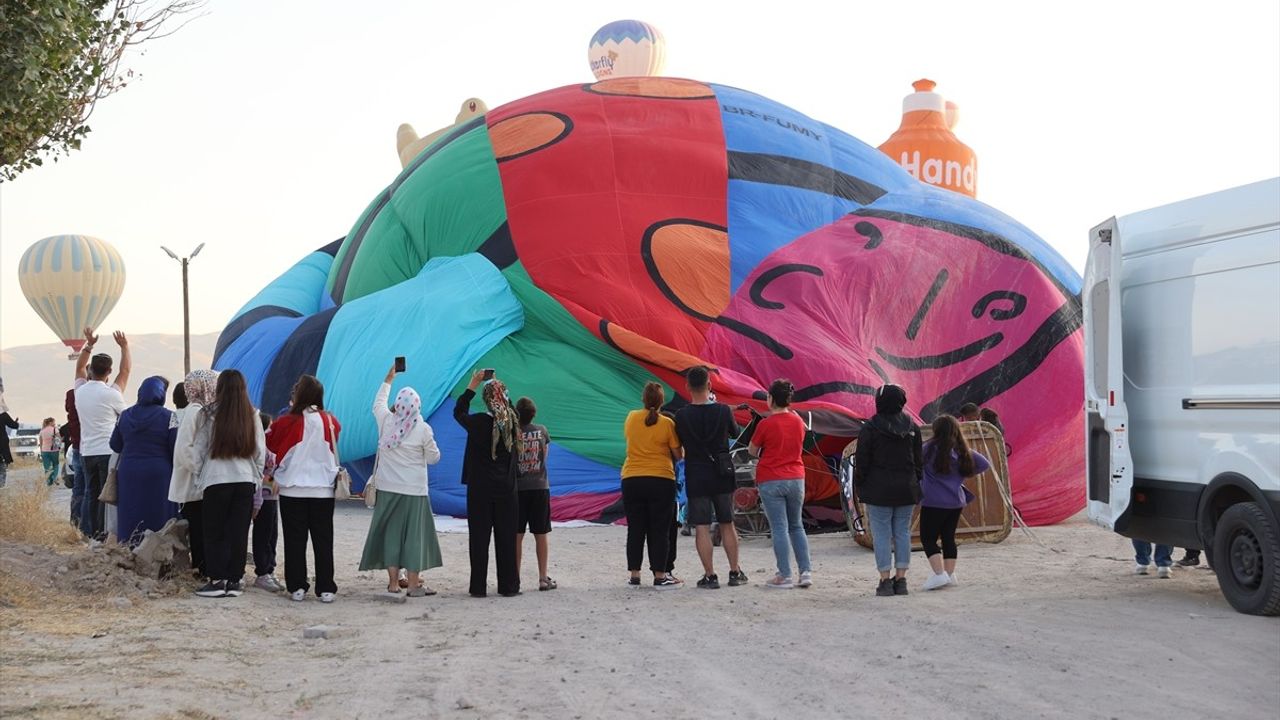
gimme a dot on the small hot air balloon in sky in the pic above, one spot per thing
(72, 282)
(627, 48)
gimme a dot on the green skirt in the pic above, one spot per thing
(402, 534)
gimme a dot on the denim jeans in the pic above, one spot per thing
(891, 534)
(1142, 553)
(783, 500)
(92, 518)
(77, 485)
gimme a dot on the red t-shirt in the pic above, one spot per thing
(780, 438)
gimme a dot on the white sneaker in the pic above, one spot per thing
(937, 580)
(1164, 572)
(953, 580)
(298, 595)
(806, 580)
(1140, 569)
(780, 583)
(327, 597)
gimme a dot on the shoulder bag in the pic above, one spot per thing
(371, 487)
(342, 480)
(721, 460)
(110, 494)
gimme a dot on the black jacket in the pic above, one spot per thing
(481, 472)
(889, 464)
(6, 422)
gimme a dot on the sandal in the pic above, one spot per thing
(404, 580)
(547, 583)
(421, 591)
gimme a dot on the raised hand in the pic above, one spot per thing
(89, 337)
(121, 340)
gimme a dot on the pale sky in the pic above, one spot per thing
(264, 128)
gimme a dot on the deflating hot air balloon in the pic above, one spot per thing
(626, 48)
(588, 239)
(72, 282)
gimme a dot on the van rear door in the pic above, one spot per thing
(1108, 462)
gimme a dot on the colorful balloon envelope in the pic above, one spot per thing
(627, 48)
(588, 239)
(72, 282)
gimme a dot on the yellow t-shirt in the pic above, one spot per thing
(649, 446)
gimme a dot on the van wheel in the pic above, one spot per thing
(1246, 550)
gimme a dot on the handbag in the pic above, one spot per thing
(342, 480)
(371, 487)
(110, 489)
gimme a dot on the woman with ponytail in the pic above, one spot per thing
(779, 443)
(948, 462)
(649, 487)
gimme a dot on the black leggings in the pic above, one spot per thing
(649, 503)
(935, 522)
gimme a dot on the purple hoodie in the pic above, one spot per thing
(947, 491)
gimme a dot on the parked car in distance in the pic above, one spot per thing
(25, 441)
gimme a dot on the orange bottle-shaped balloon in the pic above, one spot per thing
(925, 146)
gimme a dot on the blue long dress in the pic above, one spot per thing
(144, 437)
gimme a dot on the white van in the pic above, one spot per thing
(1182, 383)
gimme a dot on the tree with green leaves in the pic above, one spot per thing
(58, 58)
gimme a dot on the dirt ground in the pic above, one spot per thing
(1064, 632)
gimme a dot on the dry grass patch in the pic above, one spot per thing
(25, 516)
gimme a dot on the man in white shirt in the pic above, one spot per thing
(99, 406)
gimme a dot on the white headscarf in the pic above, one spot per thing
(407, 413)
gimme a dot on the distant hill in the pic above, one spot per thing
(37, 377)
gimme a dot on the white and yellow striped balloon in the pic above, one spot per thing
(72, 282)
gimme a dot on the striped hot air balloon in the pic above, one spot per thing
(72, 282)
(627, 48)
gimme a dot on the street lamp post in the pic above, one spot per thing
(186, 307)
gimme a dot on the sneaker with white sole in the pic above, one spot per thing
(1140, 569)
(1164, 572)
(234, 588)
(778, 582)
(937, 580)
(268, 583)
(953, 580)
(666, 583)
(213, 589)
(298, 595)
(327, 597)
(806, 580)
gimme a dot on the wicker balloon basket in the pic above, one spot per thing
(987, 518)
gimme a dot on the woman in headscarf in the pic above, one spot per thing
(305, 442)
(887, 471)
(402, 533)
(489, 472)
(199, 388)
(144, 438)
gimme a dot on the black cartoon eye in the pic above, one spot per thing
(871, 233)
(768, 276)
(1018, 300)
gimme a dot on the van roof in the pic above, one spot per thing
(1255, 205)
